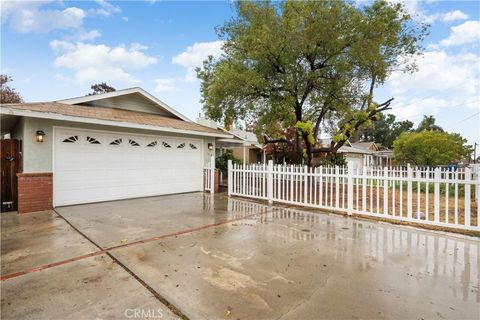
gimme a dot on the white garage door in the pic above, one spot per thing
(92, 166)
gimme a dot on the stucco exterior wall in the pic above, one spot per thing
(357, 159)
(37, 157)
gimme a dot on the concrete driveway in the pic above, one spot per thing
(230, 259)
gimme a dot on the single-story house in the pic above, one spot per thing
(363, 153)
(116, 145)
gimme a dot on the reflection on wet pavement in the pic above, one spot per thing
(453, 257)
(280, 262)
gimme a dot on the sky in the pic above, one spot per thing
(56, 49)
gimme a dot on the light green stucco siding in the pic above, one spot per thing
(37, 157)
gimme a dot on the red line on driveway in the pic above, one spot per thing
(100, 252)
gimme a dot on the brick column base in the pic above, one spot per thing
(35, 192)
(217, 181)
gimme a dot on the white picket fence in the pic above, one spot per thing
(209, 176)
(436, 197)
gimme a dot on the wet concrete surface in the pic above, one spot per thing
(94, 288)
(109, 223)
(30, 240)
(291, 264)
(275, 263)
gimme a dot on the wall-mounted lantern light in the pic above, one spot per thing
(40, 136)
(210, 146)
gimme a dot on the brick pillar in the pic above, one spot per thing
(35, 192)
(217, 181)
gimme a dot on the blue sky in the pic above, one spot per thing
(56, 49)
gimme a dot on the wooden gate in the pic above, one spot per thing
(11, 164)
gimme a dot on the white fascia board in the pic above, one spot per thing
(231, 140)
(123, 92)
(61, 117)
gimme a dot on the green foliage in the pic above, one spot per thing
(385, 130)
(297, 61)
(428, 123)
(430, 148)
(306, 128)
(221, 162)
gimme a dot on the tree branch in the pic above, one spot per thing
(266, 140)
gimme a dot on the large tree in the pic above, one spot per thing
(385, 130)
(296, 64)
(430, 148)
(8, 94)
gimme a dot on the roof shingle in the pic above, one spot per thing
(112, 114)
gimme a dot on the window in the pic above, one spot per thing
(152, 144)
(192, 146)
(116, 142)
(181, 146)
(71, 139)
(133, 143)
(92, 140)
(166, 145)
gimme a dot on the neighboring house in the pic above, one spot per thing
(117, 145)
(251, 151)
(244, 144)
(363, 153)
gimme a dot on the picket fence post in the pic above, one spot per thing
(212, 175)
(468, 176)
(270, 181)
(350, 188)
(409, 191)
(436, 190)
(230, 177)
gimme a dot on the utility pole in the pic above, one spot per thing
(475, 152)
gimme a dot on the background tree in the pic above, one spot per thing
(385, 130)
(430, 148)
(428, 123)
(297, 64)
(101, 87)
(8, 94)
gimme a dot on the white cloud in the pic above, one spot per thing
(106, 9)
(32, 19)
(466, 33)
(454, 15)
(442, 81)
(94, 63)
(83, 35)
(439, 71)
(165, 84)
(35, 16)
(195, 55)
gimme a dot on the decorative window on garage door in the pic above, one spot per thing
(166, 145)
(181, 145)
(192, 146)
(71, 139)
(116, 142)
(152, 144)
(133, 143)
(92, 140)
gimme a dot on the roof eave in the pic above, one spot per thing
(62, 117)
